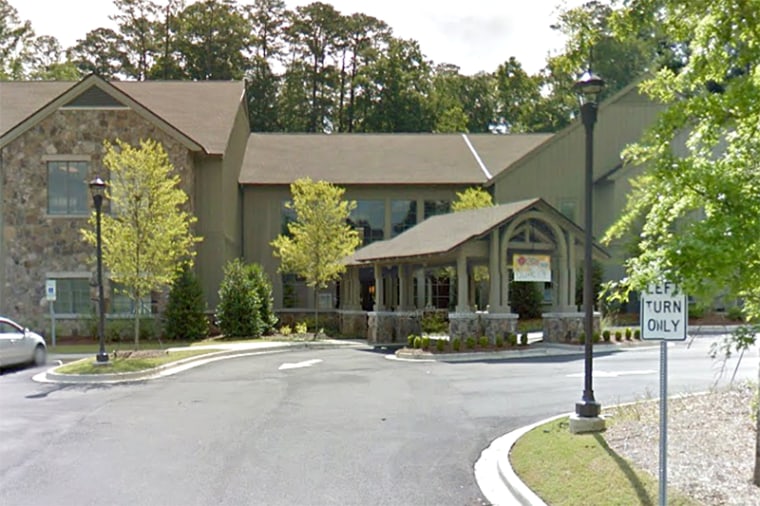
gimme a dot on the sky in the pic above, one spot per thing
(476, 35)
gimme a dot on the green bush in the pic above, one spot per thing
(456, 344)
(440, 344)
(499, 341)
(618, 335)
(628, 333)
(596, 338)
(697, 310)
(582, 338)
(512, 339)
(470, 343)
(526, 298)
(262, 285)
(735, 314)
(184, 317)
(434, 322)
(484, 341)
(524, 339)
(237, 313)
(301, 328)
(637, 334)
(606, 336)
(417, 342)
(410, 341)
(425, 343)
(285, 330)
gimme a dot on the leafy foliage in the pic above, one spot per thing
(147, 236)
(237, 313)
(526, 299)
(185, 316)
(472, 198)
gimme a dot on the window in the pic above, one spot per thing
(122, 304)
(369, 217)
(436, 207)
(67, 188)
(72, 296)
(403, 215)
(567, 207)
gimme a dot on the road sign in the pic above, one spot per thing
(664, 313)
(50, 290)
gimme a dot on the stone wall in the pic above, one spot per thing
(36, 244)
(566, 327)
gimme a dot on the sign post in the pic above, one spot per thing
(664, 317)
(50, 296)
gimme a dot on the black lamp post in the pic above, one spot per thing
(589, 87)
(98, 189)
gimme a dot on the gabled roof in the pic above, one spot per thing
(372, 159)
(576, 124)
(443, 233)
(200, 114)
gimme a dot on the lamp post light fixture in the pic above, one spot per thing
(98, 190)
(589, 86)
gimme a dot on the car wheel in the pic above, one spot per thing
(40, 355)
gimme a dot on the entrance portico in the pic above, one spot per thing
(476, 246)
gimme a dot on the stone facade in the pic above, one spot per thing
(464, 325)
(407, 323)
(498, 324)
(353, 323)
(38, 245)
(566, 327)
(381, 327)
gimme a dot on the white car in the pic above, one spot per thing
(19, 345)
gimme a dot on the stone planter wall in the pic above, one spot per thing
(499, 324)
(407, 323)
(353, 323)
(381, 327)
(464, 325)
(566, 327)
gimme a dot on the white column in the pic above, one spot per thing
(378, 288)
(462, 284)
(494, 275)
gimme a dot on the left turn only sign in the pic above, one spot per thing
(664, 313)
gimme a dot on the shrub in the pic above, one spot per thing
(637, 334)
(628, 333)
(484, 341)
(596, 338)
(417, 342)
(301, 328)
(410, 341)
(697, 310)
(582, 338)
(425, 343)
(237, 314)
(618, 335)
(606, 336)
(184, 317)
(526, 299)
(499, 341)
(512, 339)
(456, 344)
(470, 343)
(263, 287)
(735, 314)
(524, 339)
(440, 344)
(434, 322)
(285, 330)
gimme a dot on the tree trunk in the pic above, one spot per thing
(137, 327)
(316, 312)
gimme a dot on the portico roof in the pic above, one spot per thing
(443, 233)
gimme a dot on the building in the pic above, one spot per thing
(51, 144)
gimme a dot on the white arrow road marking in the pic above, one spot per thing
(307, 363)
(606, 374)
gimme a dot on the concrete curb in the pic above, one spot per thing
(50, 376)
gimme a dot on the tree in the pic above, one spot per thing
(320, 236)
(101, 52)
(238, 312)
(472, 198)
(147, 236)
(185, 316)
(15, 40)
(698, 197)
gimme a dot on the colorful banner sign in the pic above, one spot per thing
(532, 267)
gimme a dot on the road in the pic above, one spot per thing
(330, 427)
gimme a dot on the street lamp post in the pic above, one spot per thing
(98, 188)
(589, 86)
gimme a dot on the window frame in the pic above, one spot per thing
(70, 197)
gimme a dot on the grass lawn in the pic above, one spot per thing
(580, 469)
(129, 364)
(126, 345)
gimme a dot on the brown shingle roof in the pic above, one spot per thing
(378, 158)
(203, 111)
(442, 233)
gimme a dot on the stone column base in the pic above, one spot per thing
(381, 327)
(353, 323)
(407, 323)
(499, 324)
(464, 325)
(566, 327)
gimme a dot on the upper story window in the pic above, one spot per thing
(369, 217)
(436, 207)
(403, 215)
(67, 188)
